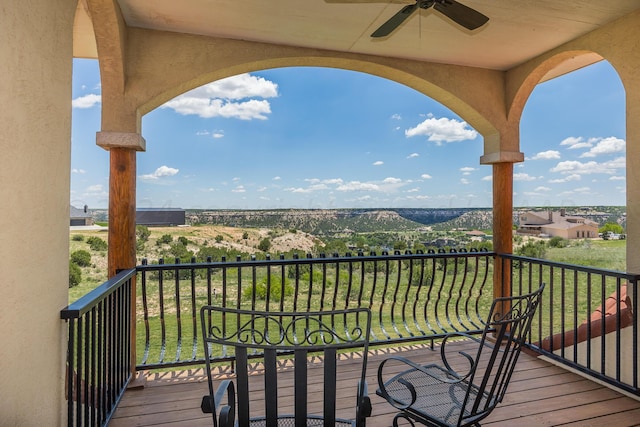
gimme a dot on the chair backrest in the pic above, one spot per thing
(505, 331)
(277, 339)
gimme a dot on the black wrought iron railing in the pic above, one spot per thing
(587, 319)
(99, 365)
(412, 296)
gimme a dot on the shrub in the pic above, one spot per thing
(264, 245)
(75, 274)
(219, 238)
(81, 258)
(275, 290)
(532, 249)
(142, 233)
(166, 238)
(183, 240)
(97, 244)
(245, 235)
(558, 242)
(77, 238)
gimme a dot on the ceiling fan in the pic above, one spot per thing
(457, 12)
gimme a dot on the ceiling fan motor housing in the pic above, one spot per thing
(426, 4)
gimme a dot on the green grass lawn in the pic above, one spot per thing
(607, 254)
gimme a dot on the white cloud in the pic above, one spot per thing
(575, 142)
(162, 171)
(546, 155)
(358, 186)
(467, 170)
(617, 178)
(217, 134)
(576, 167)
(442, 130)
(465, 181)
(276, 178)
(568, 178)
(396, 116)
(333, 181)
(391, 180)
(242, 86)
(582, 190)
(425, 176)
(208, 108)
(608, 145)
(80, 171)
(413, 155)
(523, 177)
(488, 178)
(541, 188)
(239, 189)
(378, 163)
(228, 98)
(86, 101)
(97, 188)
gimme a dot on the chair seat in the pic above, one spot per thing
(436, 399)
(289, 421)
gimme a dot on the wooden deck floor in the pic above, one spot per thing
(540, 394)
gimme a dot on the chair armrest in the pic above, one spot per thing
(470, 359)
(382, 390)
(210, 403)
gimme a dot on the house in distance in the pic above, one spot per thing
(160, 217)
(557, 223)
(80, 217)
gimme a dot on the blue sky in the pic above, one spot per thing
(327, 138)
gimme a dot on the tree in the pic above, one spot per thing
(611, 227)
(400, 245)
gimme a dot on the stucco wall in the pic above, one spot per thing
(35, 118)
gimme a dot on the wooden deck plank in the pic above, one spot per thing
(540, 394)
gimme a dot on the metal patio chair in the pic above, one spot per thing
(464, 388)
(275, 343)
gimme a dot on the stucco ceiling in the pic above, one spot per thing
(517, 30)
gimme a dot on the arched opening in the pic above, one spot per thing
(572, 132)
(309, 138)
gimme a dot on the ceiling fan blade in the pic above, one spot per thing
(461, 14)
(395, 21)
(372, 1)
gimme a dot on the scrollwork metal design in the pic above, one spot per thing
(285, 330)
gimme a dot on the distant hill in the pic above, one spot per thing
(317, 221)
(333, 221)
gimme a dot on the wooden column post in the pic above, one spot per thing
(502, 226)
(122, 210)
(122, 213)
